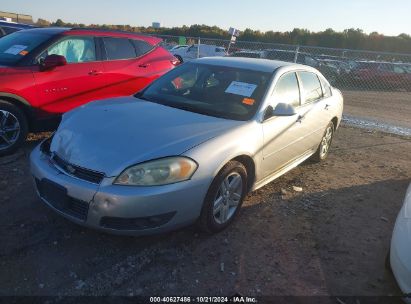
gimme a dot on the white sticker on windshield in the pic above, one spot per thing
(241, 88)
(15, 49)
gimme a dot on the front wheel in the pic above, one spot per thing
(324, 147)
(224, 198)
(13, 127)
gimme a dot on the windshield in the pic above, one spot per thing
(218, 91)
(15, 46)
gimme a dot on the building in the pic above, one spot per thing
(21, 18)
(156, 24)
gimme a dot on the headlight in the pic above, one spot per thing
(158, 172)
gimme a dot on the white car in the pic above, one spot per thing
(176, 47)
(400, 253)
(198, 51)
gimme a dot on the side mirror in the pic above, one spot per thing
(284, 109)
(53, 61)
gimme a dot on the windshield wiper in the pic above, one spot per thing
(143, 97)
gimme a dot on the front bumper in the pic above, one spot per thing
(400, 253)
(120, 209)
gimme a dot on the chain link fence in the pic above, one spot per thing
(375, 85)
(343, 68)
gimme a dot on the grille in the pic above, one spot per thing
(78, 209)
(139, 223)
(79, 172)
(57, 196)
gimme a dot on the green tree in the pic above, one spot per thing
(350, 38)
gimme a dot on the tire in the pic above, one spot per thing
(13, 127)
(230, 203)
(322, 150)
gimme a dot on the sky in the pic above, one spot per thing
(389, 17)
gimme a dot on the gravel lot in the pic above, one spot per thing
(389, 107)
(330, 239)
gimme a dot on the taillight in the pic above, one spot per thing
(175, 61)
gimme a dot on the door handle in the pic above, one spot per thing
(95, 73)
(144, 65)
(327, 106)
(300, 118)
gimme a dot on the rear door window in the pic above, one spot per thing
(311, 87)
(141, 47)
(326, 88)
(118, 48)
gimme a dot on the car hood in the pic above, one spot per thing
(111, 135)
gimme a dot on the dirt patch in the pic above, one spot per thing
(389, 107)
(329, 239)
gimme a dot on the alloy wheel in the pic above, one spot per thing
(326, 141)
(228, 197)
(9, 129)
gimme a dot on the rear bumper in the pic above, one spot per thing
(122, 209)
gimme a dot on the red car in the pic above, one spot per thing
(384, 75)
(45, 72)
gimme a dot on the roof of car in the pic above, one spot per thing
(95, 32)
(48, 30)
(263, 65)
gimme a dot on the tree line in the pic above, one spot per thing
(348, 39)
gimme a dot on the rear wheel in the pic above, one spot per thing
(224, 198)
(13, 127)
(324, 147)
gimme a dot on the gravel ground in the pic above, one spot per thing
(329, 239)
(390, 107)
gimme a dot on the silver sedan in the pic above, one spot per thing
(188, 148)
